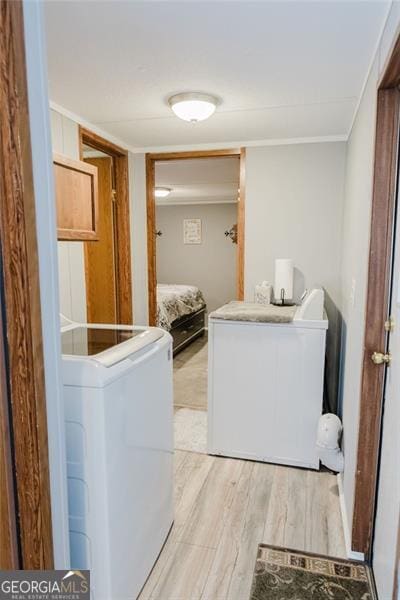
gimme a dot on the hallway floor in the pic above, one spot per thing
(190, 376)
(224, 508)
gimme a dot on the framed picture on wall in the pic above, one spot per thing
(192, 231)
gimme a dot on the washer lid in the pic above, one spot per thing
(106, 345)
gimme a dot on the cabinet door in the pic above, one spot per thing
(100, 268)
(76, 197)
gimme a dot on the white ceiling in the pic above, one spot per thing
(198, 181)
(282, 69)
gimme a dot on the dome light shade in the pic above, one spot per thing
(193, 106)
(162, 192)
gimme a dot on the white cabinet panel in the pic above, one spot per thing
(265, 391)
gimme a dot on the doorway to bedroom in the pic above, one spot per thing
(195, 256)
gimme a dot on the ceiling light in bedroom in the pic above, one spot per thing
(162, 192)
(193, 106)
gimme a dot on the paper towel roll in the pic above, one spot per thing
(283, 278)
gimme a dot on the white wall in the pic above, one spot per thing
(356, 233)
(211, 265)
(294, 209)
(356, 229)
(307, 180)
(47, 250)
(71, 266)
(138, 216)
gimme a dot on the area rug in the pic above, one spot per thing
(283, 574)
(191, 430)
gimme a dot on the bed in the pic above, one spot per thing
(181, 310)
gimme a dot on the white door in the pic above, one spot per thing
(388, 504)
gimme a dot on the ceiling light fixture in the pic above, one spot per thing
(162, 192)
(193, 106)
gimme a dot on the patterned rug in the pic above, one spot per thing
(282, 574)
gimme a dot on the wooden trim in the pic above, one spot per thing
(151, 159)
(241, 226)
(8, 518)
(95, 141)
(123, 247)
(151, 239)
(59, 160)
(381, 244)
(20, 272)
(122, 214)
(194, 154)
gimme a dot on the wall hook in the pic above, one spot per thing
(232, 234)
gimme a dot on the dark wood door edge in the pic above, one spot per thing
(391, 71)
(383, 207)
(151, 159)
(22, 298)
(9, 546)
(123, 260)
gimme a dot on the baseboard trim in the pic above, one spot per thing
(345, 522)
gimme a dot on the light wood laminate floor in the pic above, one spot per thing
(224, 508)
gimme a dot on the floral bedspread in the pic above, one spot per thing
(175, 301)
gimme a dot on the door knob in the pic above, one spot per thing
(379, 358)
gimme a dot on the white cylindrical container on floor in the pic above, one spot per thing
(283, 278)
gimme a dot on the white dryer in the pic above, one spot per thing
(119, 428)
(265, 386)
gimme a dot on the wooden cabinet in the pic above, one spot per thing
(76, 196)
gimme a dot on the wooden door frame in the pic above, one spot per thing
(378, 294)
(151, 159)
(123, 247)
(9, 558)
(26, 421)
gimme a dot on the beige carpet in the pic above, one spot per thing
(190, 376)
(190, 430)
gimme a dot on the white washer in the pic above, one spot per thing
(265, 387)
(119, 426)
